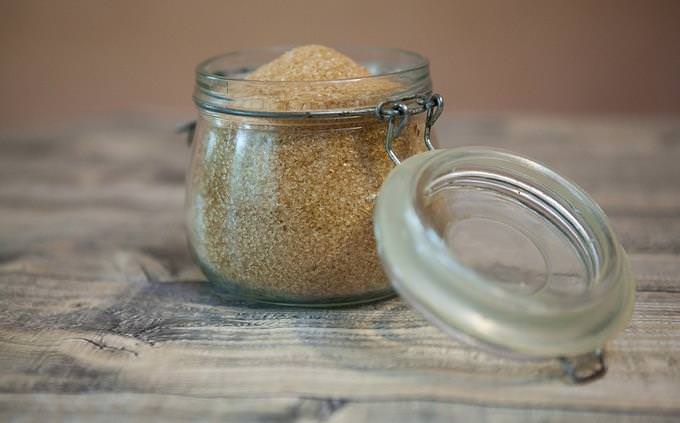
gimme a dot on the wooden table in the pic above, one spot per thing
(104, 317)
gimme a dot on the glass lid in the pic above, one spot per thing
(502, 250)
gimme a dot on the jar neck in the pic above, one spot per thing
(221, 87)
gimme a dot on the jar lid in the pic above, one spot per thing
(502, 250)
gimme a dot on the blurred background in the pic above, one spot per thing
(69, 60)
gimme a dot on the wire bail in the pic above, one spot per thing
(434, 110)
(397, 113)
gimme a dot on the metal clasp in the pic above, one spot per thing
(397, 113)
(585, 368)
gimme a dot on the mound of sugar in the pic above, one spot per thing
(309, 63)
(309, 78)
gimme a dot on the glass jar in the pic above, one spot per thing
(283, 176)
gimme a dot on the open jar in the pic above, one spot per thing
(284, 175)
(494, 248)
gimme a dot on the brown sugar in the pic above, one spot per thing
(281, 210)
(300, 80)
(309, 63)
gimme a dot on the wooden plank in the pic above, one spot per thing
(103, 315)
(162, 408)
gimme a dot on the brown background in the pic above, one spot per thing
(74, 59)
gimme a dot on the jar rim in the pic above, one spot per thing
(204, 68)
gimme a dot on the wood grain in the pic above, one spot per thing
(104, 317)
